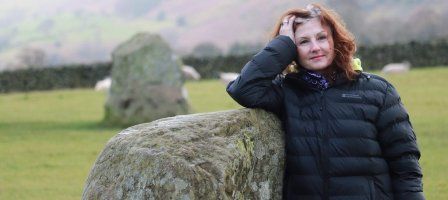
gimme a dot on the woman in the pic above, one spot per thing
(348, 135)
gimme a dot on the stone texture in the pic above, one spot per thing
(147, 82)
(236, 154)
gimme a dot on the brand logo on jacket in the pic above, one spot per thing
(351, 96)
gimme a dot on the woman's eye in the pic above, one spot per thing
(322, 38)
(303, 42)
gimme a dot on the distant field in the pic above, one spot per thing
(49, 140)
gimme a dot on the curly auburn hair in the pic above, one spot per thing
(344, 41)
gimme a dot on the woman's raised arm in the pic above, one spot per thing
(257, 86)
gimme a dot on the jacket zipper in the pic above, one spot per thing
(324, 146)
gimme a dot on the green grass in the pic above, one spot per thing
(49, 140)
(425, 95)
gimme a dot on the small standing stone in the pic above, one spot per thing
(146, 82)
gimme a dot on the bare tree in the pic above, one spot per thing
(31, 57)
(425, 24)
(351, 13)
(207, 49)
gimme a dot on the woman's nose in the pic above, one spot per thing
(314, 46)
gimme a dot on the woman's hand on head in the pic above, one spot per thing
(286, 28)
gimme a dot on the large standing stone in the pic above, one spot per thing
(146, 82)
(235, 154)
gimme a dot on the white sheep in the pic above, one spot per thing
(396, 68)
(103, 85)
(227, 77)
(190, 73)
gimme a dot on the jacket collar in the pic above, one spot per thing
(301, 80)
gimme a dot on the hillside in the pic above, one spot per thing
(68, 31)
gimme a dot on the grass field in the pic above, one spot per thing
(49, 140)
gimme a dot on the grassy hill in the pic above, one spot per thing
(49, 140)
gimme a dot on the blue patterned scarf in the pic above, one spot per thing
(314, 79)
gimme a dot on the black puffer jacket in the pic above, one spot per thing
(348, 142)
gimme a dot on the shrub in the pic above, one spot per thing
(69, 76)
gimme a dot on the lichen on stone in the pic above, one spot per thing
(235, 154)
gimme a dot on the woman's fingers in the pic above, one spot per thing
(287, 21)
(291, 22)
(286, 28)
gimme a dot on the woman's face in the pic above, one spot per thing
(315, 45)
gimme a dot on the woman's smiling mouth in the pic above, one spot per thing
(317, 57)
